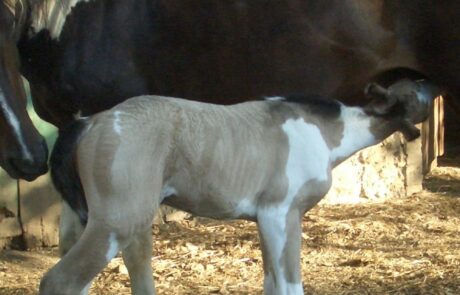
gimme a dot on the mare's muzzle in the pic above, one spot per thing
(20, 167)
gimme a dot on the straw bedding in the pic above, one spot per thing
(398, 246)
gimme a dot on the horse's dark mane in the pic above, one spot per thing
(27, 5)
(7, 3)
(43, 5)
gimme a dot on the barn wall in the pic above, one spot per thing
(433, 136)
(40, 208)
(39, 205)
(393, 168)
(389, 169)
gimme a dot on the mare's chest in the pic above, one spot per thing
(77, 72)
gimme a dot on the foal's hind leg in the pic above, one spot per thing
(74, 272)
(137, 257)
(70, 229)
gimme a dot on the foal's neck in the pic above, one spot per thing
(360, 130)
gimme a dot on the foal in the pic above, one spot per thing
(266, 161)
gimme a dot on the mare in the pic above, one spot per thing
(84, 56)
(267, 161)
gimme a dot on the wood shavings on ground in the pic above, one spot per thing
(399, 246)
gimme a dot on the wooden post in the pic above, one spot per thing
(9, 223)
(414, 165)
(433, 136)
(40, 210)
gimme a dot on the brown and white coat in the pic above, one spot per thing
(268, 161)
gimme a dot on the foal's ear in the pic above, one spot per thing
(375, 91)
(381, 100)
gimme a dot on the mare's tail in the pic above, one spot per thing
(64, 170)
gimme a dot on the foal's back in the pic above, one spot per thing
(214, 157)
(211, 160)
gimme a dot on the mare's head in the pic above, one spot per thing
(407, 102)
(23, 151)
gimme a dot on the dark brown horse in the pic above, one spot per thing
(23, 152)
(85, 56)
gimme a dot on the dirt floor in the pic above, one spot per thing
(399, 246)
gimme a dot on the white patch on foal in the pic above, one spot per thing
(113, 247)
(246, 207)
(275, 98)
(13, 121)
(53, 16)
(167, 191)
(356, 133)
(282, 288)
(85, 290)
(77, 115)
(308, 155)
(424, 94)
(116, 123)
(294, 288)
(272, 225)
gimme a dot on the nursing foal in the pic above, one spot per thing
(266, 161)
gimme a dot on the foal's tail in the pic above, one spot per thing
(64, 170)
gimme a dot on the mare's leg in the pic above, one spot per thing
(138, 258)
(280, 236)
(70, 229)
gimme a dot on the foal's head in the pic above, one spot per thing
(406, 101)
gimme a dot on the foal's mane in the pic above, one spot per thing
(326, 107)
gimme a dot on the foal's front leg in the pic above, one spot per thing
(280, 237)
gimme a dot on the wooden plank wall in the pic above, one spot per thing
(37, 203)
(9, 223)
(433, 136)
